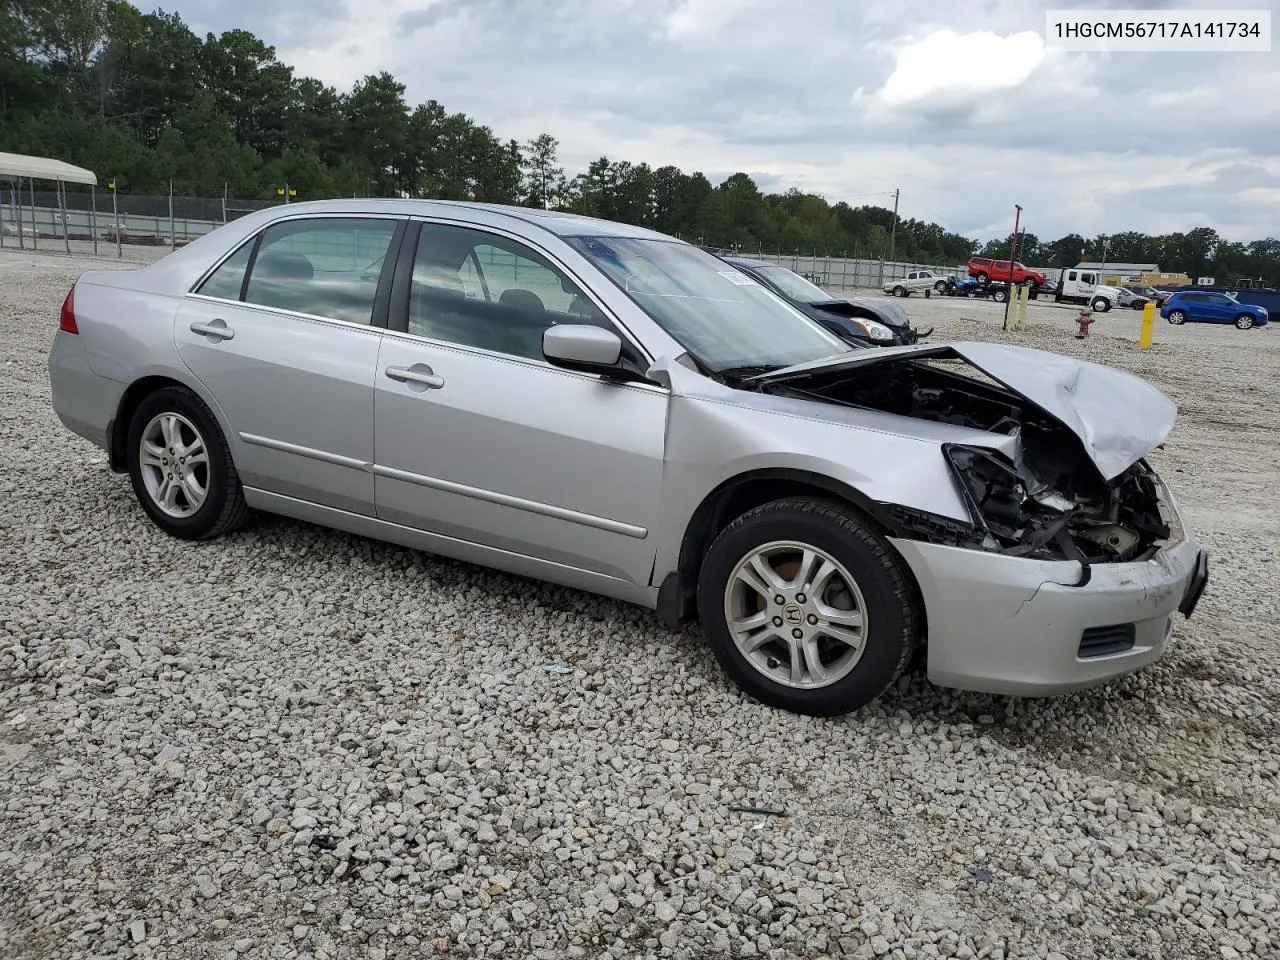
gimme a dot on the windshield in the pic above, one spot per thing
(728, 322)
(793, 285)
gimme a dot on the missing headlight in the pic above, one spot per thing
(991, 487)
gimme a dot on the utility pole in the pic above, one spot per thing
(893, 232)
(1013, 249)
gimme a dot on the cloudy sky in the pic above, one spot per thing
(958, 104)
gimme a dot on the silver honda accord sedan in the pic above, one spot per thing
(611, 409)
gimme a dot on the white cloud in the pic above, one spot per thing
(954, 66)
(692, 17)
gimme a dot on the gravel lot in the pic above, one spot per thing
(297, 743)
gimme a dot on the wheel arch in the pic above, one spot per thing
(134, 394)
(677, 603)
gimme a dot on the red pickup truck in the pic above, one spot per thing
(984, 269)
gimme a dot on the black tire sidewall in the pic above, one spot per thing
(181, 401)
(879, 575)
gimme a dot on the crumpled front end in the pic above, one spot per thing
(1003, 624)
(1072, 560)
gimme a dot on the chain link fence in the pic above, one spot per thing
(53, 220)
(845, 272)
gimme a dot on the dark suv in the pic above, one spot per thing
(985, 270)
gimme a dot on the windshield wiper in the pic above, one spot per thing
(750, 370)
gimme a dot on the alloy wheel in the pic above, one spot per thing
(796, 614)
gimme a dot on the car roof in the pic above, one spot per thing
(748, 262)
(559, 222)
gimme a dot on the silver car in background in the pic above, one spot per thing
(611, 409)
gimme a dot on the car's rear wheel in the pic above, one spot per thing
(806, 607)
(1000, 296)
(981, 277)
(1177, 317)
(1244, 321)
(899, 291)
(181, 467)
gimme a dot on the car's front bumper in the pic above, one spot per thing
(1007, 625)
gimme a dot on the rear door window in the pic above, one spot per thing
(325, 267)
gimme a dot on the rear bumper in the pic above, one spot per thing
(1007, 625)
(84, 401)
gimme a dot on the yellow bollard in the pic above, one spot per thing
(1022, 307)
(1148, 321)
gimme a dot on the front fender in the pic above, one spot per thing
(712, 441)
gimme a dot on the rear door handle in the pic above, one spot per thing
(419, 377)
(215, 330)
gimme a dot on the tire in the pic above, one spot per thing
(1177, 317)
(881, 595)
(899, 291)
(1138, 306)
(1000, 296)
(981, 277)
(1244, 321)
(222, 508)
(1100, 305)
(940, 286)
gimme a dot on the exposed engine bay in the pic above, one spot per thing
(1049, 501)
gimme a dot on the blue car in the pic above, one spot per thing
(1207, 306)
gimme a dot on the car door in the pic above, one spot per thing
(1220, 308)
(1196, 306)
(285, 335)
(479, 439)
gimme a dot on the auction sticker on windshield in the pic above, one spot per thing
(733, 276)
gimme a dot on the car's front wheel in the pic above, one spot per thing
(1100, 305)
(1177, 317)
(181, 467)
(940, 286)
(806, 607)
(1244, 321)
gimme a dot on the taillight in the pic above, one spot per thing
(67, 322)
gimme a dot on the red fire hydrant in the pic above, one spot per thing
(1083, 323)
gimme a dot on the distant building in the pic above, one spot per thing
(1133, 274)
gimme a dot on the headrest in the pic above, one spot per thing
(522, 300)
(282, 264)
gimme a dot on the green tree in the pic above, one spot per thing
(543, 176)
(378, 132)
(251, 87)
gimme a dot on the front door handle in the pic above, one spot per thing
(418, 377)
(215, 330)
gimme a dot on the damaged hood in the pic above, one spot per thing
(1118, 417)
(887, 311)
